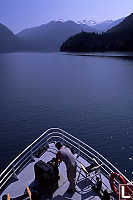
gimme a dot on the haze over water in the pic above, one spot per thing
(89, 96)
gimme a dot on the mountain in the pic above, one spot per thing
(106, 25)
(50, 36)
(87, 22)
(125, 26)
(118, 38)
(8, 41)
(102, 26)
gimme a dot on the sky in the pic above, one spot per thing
(21, 14)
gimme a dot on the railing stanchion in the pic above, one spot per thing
(63, 139)
(32, 156)
(78, 150)
(14, 175)
(47, 144)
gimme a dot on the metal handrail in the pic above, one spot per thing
(97, 153)
(47, 136)
(84, 154)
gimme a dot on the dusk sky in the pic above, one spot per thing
(21, 14)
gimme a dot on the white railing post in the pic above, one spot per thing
(31, 155)
(78, 150)
(63, 139)
(47, 144)
(14, 175)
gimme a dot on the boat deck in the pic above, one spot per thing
(84, 189)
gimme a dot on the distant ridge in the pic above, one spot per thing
(118, 38)
(125, 25)
(8, 41)
(101, 26)
(108, 24)
(50, 36)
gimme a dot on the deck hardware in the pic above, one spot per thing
(47, 144)
(63, 139)
(31, 155)
(8, 197)
(14, 175)
(78, 151)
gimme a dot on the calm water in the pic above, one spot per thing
(88, 96)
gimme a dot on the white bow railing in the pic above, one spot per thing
(50, 136)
